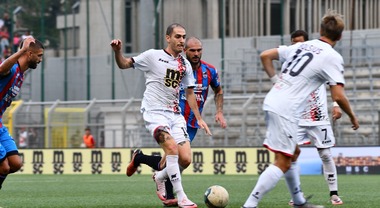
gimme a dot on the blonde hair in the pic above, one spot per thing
(332, 25)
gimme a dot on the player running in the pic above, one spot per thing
(205, 76)
(165, 70)
(11, 78)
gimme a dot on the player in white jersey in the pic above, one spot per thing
(164, 71)
(315, 125)
(308, 66)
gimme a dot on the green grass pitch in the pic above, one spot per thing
(138, 191)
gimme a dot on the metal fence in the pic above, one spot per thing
(118, 123)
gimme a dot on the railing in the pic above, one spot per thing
(119, 123)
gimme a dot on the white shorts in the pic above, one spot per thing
(281, 135)
(323, 135)
(173, 123)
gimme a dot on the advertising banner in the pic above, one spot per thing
(348, 160)
(211, 161)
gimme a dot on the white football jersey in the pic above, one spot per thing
(164, 74)
(307, 66)
(316, 111)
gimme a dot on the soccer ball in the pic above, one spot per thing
(216, 197)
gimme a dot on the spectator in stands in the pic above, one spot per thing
(32, 138)
(193, 50)
(26, 34)
(12, 72)
(165, 71)
(16, 41)
(7, 21)
(23, 138)
(307, 66)
(88, 139)
(4, 39)
(315, 124)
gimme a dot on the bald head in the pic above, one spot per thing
(193, 50)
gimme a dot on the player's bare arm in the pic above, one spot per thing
(190, 97)
(122, 62)
(6, 66)
(219, 118)
(267, 58)
(338, 95)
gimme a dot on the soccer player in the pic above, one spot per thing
(12, 76)
(315, 124)
(165, 70)
(308, 65)
(205, 76)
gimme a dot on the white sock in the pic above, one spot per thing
(161, 175)
(329, 169)
(293, 182)
(174, 175)
(266, 182)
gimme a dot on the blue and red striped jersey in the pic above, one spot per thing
(206, 75)
(10, 86)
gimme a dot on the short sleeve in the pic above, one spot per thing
(142, 61)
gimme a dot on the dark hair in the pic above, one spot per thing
(36, 45)
(87, 129)
(298, 33)
(171, 27)
(332, 25)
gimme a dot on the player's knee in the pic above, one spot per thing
(15, 167)
(184, 163)
(325, 155)
(297, 152)
(161, 135)
(4, 168)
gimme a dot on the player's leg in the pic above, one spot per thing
(170, 197)
(4, 166)
(330, 174)
(179, 132)
(138, 157)
(268, 180)
(292, 176)
(155, 122)
(10, 161)
(279, 131)
(324, 140)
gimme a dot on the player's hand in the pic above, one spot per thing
(219, 118)
(203, 125)
(116, 44)
(26, 43)
(355, 123)
(336, 113)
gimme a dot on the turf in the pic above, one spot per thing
(138, 191)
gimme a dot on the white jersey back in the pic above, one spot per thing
(308, 65)
(316, 111)
(163, 74)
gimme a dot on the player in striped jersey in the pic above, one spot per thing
(11, 78)
(205, 76)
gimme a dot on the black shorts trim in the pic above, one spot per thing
(14, 152)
